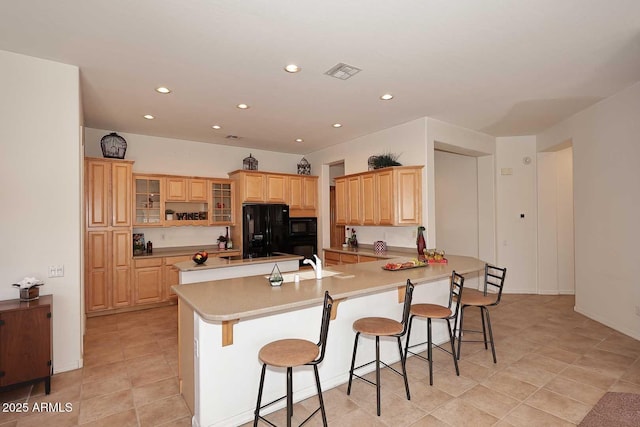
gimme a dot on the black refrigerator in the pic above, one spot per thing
(265, 229)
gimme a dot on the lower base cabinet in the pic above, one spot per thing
(26, 342)
(338, 258)
(147, 282)
(172, 275)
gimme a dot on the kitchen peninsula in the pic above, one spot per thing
(224, 323)
(235, 266)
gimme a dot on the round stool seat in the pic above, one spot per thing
(433, 311)
(379, 326)
(288, 353)
(476, 298)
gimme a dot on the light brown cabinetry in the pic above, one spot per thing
(172, 275)
(338, 258)
(108, 244)
(389, 196)
(108, 193)
(181, 189)
(147, 282)
(303, 195)
(222, 202)
(26, 342)
(276, 188)
(148, 200)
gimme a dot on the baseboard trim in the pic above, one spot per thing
(607, 322)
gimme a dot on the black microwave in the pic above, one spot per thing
(307, 226)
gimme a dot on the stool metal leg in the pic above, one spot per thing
(460, 322)
(493, 348)
(378, 373)
(322, 411)
(484, 329)
(257, 413)
(429, 351)
(289, 395)
(453, 348)
(403, 360)
(353, 362)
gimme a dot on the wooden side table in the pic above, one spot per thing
(26, 342)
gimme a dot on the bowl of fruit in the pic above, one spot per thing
(200, 257)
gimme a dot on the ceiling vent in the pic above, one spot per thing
(231, 137)
(343, 71)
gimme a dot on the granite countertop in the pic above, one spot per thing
(234, 262)
(213, 250)
(252, 296)
(367, 250)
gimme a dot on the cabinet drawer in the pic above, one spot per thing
(150, 262)
(364, 258)
(349, 258)
(170, 260)
(331, 256)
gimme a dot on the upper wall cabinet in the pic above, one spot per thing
(389, 196)
(300, 192)
(222, 202)
(181, 189)
(108, 190)
(148, 200)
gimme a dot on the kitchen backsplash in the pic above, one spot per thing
(182, 236)
(401, 237)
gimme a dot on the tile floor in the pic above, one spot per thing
(553, 366)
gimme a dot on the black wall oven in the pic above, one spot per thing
(303, 236)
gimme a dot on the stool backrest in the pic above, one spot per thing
(324, 326)
(406, 311)
(457, 283)
(494, 280)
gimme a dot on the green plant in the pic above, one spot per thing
(385, 160)
(222, 239)
(169, 211)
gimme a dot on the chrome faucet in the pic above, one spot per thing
(317, 266)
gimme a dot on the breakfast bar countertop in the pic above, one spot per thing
(252, 296)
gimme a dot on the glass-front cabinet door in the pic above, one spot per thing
(149, 203)
(222, 201)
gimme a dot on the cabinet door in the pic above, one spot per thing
(385, 197)
(222, 203)
(369, 199)
(172, 275)
(408, 188)
(331, 258)
(364, 258)
(310, 193)
(354, 215)
(148, 285)
(276, 188)
(148, 199)
(97, 175)
(348, 258)
(176, 188)
(253, 188)
(25, 337)
(296, 192)
(198, 190)
(121, 255)
(121, 187)
(98, 275)
(342, 196)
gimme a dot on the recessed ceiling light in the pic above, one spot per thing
(292, 68)
(336, 125)
(163, 89)
(148, 117)
(216, 127)
(299, 140)
(386, 97)
(242, 106)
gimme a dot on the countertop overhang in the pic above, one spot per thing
(253, 296)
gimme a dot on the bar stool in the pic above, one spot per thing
(289, 353)
(489, 297)
(436, 311)
(382, 326)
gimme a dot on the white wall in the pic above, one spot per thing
(180, 157)
(516, 195)
(555, 222)
(606, 207)
(40, 166)
(456, 185)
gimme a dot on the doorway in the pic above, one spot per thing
(336, 231)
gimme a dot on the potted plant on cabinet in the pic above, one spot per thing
(222, 242)
(169, 214)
